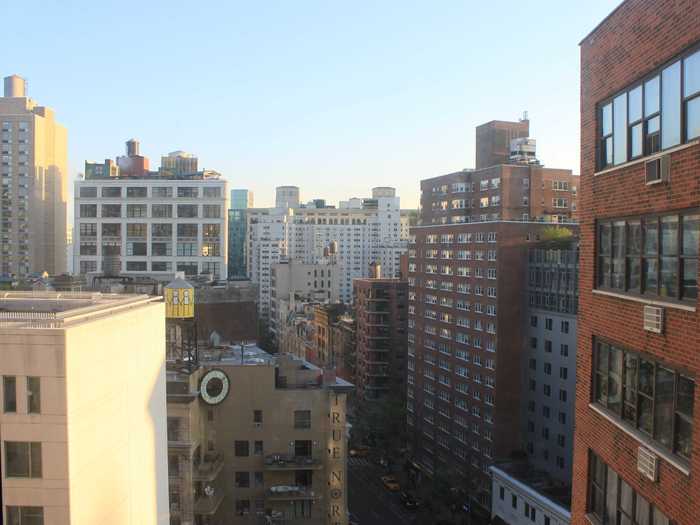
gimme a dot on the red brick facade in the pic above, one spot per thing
(639, 37)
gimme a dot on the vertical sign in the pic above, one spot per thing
(337, 462)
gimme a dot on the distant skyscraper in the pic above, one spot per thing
(287, 197)
(178, 163)
(33, 190)
(241, 199)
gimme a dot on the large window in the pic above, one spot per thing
(136, 210)
(646, 395)
(33, 395)
(187, 210)
(88, 210)
(136, 192)
(111, 192)
(661, 112)
(162, 210)
(111, 210)
(302, 419)
(611, 500)
(25, 515)
(9, 392)
(161, 230)
(655, 256)
(22, 459)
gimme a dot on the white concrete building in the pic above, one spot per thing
(151, 225)
(526, 498)
(361, 230)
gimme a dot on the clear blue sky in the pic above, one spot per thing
(333, 97)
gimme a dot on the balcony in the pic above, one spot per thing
(209, 468)
(290, 492)
(288, 462)
(208, 505)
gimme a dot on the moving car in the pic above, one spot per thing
(390, 483)
(359, 452)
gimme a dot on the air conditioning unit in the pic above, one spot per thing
(653, 319)
(657, 170)
(647, 464)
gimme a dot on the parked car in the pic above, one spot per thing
(390, 483)
(410, 501)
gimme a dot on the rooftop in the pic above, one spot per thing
(58, 309)
(537, 481)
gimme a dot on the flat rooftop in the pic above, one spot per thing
(58, 309)
(538, 481)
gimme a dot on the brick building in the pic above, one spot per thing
(635, 454)
(380, 312)
(467, 304)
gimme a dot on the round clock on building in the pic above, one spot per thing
(214, 387)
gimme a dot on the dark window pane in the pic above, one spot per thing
(602, 361)
(604, 238)
(36, 459)
(607, 119)
(669, 235)
(663, 406)
(9, 385)
(670, 106)
(646, 377)
(692, 122)
(16, 459)
(634, 238)
(684, 437)
(690, 279)
(636, 140)
(685, 392)
(620, 129)
(645, 414)
(691, 74)
(618, 251)
(650, 275)
(634, 274)
(651, 96)
(669, 276)
(34, 395)
(635, 104)
(601, 389)
(651, 241)
(691, 234)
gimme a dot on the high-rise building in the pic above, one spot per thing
(467, 265)
(33, 186)
(287, 197)
(636, 452)
(255, 438)
(356, 233)
(241, 200)
(83, 424)
(381, 313)
(178, 163)
(152, 224)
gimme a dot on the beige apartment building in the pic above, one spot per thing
(256, 439)
(83, 420)
(33, 185)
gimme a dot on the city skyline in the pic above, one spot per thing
(385, 73)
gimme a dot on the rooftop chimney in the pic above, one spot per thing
(15, 86)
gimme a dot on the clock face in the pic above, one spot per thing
(214, 387)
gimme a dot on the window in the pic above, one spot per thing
(33, 395)
(258, 416)
(547, 346)
(533, 321)
(162, 230)
(136, 266)
(645, 395)
(22, 459)
(187, 230)
(612, 500)
(161, 266)
(161, 192)
(88, 229)
(259, 480)
(258, 448)
(302, 419)
(242, 507)
(111, 210)
(88, 210)
(564, 350)
(136, 192)
(212, 231)
(649, 117)
(136, 210)
(565, 327)
(111, 230)
(187, 211)
(161, 249)
(136, 230)
(563, 372)
(24, 515)
(302, 448)
(548, 323)
(88, 192)
(242, 449)
(9, 394)
(187, 192)
(514, 501)
(242, 480)
(160, 211)
(212, 211)
(212, 193)
(111, 192)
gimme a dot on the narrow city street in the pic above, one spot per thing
(369, 502)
